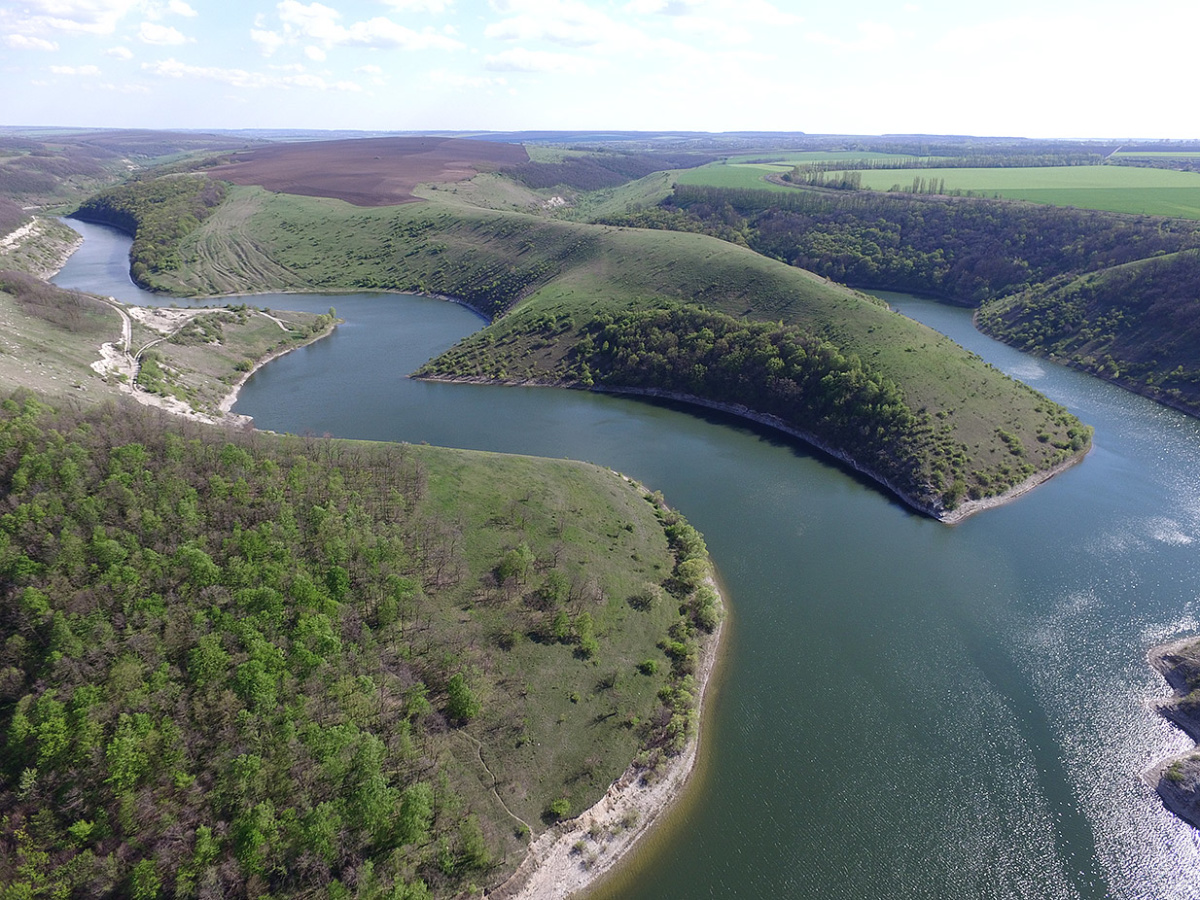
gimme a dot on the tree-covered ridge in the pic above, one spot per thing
(775, 370)
(811, 387)
(159, 213)
(1136, 324)
(240, 664)
(782, 372)
(965, 250)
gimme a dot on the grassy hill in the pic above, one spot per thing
(544, 281)
(53, 345)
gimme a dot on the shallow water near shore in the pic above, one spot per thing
(906, 709)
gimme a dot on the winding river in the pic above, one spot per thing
(905, 709)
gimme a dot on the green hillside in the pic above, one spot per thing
(977, 433)
(1137, 324)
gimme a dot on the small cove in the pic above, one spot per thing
(906, 709)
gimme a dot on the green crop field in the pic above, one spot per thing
(793, 158)
(737, 175)
(1158, 192)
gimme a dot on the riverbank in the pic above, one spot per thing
(40, 247)
(930, 505)
(119, 365)
(573, 856)
(1177, 779)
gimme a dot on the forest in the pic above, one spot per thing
(159, 213)
(1010, 259)
(243, 665)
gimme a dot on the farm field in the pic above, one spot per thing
(1158, 154)
(792, 158)
(737, 175)
(1156, 192)
(367, 172)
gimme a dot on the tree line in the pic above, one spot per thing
(159, 213)
(781, 371)
(965, 250)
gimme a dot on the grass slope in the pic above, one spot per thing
(986, 432)
(52, 337)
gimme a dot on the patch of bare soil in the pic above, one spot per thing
(367, 171)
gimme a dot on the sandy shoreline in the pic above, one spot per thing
(573, 856)
(1176, 779)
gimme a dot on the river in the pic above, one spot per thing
(905, 709)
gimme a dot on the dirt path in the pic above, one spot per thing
(121, 363)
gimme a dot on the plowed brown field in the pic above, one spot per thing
(367, 171)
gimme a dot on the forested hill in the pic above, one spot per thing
(158, 213)
(1108, 293)
(967, 250)
(1137, 324)
(238, 664)
(788, 377)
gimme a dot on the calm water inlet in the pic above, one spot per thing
(907, 709)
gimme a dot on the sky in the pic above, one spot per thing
(1029, 68)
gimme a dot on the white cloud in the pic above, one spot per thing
(119, 52)
(86, 16)
(316, 54)
(873, 36)
(425, 6)
(370, 70)
(161, 35)
(155, 10)
(75, 70)
(241, 78)
(723, 29)
(568, 22)
(318, 22)
(124, 88)
(460, 81)
(519, 59)
(269, 41)
(27, 42)
(733, 13)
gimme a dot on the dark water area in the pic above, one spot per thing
(906, 709)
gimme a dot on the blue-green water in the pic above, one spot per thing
(906, 709)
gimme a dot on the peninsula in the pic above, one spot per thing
(580, 304)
